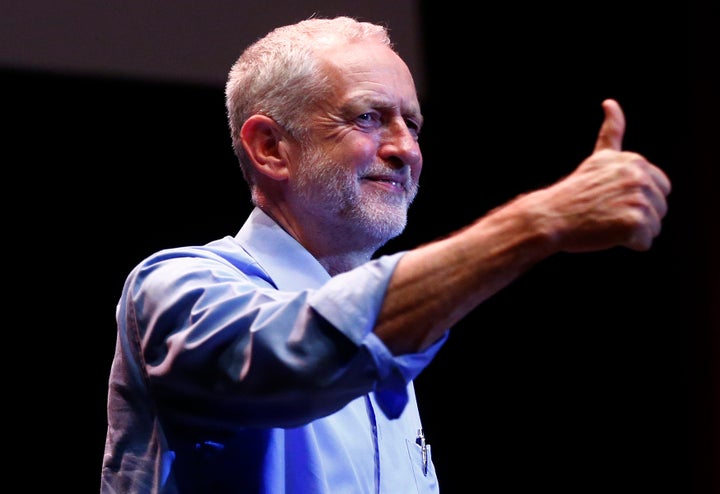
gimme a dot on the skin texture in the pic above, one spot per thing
(348, 194)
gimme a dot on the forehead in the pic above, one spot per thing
(370, 69)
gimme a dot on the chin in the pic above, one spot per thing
(384, 224)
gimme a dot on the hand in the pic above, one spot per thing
(613, 198)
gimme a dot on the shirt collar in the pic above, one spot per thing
(284, 259)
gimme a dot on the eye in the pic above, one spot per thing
(414, 127)
(368, 120)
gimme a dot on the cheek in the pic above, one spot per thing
(356, 148)
(416, 169)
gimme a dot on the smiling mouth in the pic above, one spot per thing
(387, 182)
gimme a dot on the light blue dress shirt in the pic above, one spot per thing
(241, 366)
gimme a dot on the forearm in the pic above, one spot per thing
(436, 285)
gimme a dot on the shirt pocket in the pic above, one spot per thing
(425, 481)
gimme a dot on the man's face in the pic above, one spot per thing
(361, 170)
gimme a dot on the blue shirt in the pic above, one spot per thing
(241, 366)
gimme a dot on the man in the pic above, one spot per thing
(282, 360)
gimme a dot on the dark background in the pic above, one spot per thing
(592, 373)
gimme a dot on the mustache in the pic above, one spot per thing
(401, 176)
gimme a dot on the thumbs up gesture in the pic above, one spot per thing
(613, 198)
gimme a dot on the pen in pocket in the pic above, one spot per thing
(423, 448)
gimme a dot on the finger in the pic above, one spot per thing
(613, 127)
(642, 237)
(649, 219)
(641, 240)
(658, 202)
(660, 179)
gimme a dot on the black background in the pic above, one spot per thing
(591, 373)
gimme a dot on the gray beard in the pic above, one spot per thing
(331, 192)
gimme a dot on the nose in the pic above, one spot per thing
(400, 145)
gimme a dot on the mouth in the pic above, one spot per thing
(386, 184)
(393, 183)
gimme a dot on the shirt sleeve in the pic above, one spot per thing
(219, 343)
(351, 302)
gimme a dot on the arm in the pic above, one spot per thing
(219, 343)
(614, 198)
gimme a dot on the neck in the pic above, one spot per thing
(338, 248)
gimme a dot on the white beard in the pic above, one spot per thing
(333, 192)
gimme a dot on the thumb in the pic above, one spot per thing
(613, 127)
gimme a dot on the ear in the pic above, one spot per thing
(264, 141)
